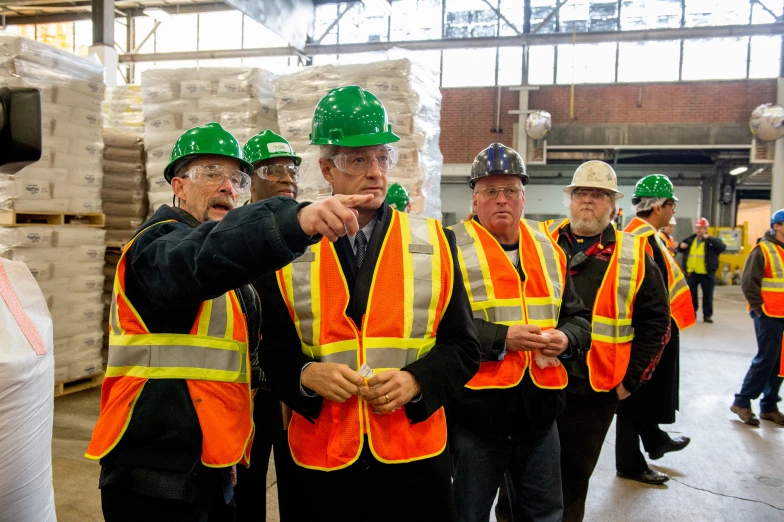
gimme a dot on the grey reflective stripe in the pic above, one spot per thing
(423, 275)
(550, 263)
(479, 314)
(177, 356)
(555, 225)
(778, 271)
(303, 301)
(217, 324)
(390, 357)
(540, 312)
(771, 284)
(113, 315)
(679, 284)
(625, 272)
(498, 314)
(349, 358)
(608, 330)
(476, 281)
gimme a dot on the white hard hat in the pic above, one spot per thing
(595, 174)
(672, 221)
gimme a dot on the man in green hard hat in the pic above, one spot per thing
(379, 304)
(184, 322)
(398, 198)
(275, 174)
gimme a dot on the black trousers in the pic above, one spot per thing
(630, 428)
(707, 282)
(582, 428)
(370, 491)
(120, 504)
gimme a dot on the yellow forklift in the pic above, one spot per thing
(732, 260)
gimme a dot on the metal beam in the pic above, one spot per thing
(87, 15)
(336, 21)
(549, 16)
(473, 43)
(103, 22)
(146, 37)
(771, 13)
(500, 15)
(290, 19)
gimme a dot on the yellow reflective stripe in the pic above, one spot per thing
(433, 231)
(552, 268)
(612, 331)
(331, 348)
(299, 275)
(627, 274)
(775, 261)
(195, 374)
(473, 268)
(422, 272)
(556, 225)
(204, 319)
(409, 288)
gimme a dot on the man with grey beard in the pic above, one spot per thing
(611, 271)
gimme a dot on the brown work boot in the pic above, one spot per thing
(775, 416)
(746, 415)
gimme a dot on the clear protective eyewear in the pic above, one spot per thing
(278, 172)
(594, 194)
(217, 174)
(358, 163)
(511, 192)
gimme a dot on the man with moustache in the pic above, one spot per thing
(184, 324)
(373, 335)
(275, 174)
(656, 403)
(528, 318)
(612, 273)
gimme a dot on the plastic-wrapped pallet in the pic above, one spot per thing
(67, 179)
(122, 110)
(68, 264)
(124, 191)
(175, 100)
(410, 93)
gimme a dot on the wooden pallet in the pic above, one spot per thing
(13, 218)
(75, 385)
(111, 243)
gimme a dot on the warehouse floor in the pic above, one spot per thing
(729, 472)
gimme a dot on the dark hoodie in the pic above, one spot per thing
(751, 283)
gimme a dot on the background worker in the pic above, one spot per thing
(183, 324)
(763, 277)
(527, 316)
(621, 358)
(702, 260)
(655, 403)
(666, 234)
(398, 197)
(275, 173)
(387, 298)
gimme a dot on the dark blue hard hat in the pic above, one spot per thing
(497, 160)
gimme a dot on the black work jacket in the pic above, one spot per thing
(650, 317)
(713, 247)
(441, 373)
(171, 269)
(524, 410)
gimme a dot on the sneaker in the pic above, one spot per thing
(774, 416)
(746, 415)
(707, 320)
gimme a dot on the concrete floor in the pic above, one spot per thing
(730, 472)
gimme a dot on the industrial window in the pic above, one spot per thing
(177, 34)
(541, 64)
(589, 15)
(650, 14)
(715, 59)
(765, 57)
(358, 25)
(510, 65)
(586, 63)
(220, 30)
(416, 20)
(514, 12)
(764, 15)
(540, 10)
(469, 19)
(716, 12)
(144, 25)
(468, 68)
(648, 61)
(256, 35)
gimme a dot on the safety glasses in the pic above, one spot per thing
(278, 172)
(217, 175)
(358, 163)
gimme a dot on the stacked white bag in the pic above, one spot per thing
(175, 100)
(122, 110)
(124, 191)
(68, 177)
(67, 262)
(410, 93)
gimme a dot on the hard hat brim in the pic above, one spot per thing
(168, 172)
(570, 188)
(360, 140)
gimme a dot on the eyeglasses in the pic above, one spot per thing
(217, 174)
(511, 192)
(278, 172)
(670, 204)
(358, 163)
(595, 194)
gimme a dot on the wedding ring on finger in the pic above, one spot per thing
(387, 396)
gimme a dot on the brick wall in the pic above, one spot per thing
(467, 115)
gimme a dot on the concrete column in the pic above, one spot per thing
(522, 137)
(777, 188)
(103, 39)
(109, 58)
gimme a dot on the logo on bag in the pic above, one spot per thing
(33, 237)
(33, 189)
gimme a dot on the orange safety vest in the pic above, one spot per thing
(773, 285)
(611, 324)
(212, 359)
(410, 290)
(668, 241)
(497, 295)
(681, 308)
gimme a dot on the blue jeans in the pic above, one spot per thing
(763, 375)
(533, 475)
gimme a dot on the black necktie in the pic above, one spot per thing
(361, 243)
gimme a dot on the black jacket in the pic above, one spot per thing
(525, 410)
(650, 318)
(441, 374)
(171, 269)
(713, 247)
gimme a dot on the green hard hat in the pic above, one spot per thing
(206, 139)
(351, 117)
(266, 145)
(655, 186)
(397, 196)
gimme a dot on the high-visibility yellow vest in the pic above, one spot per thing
(681, 307)
(410, 290)
(611, 323)
(497, 295)
(695, 264)
(772, 290)
(212, 359)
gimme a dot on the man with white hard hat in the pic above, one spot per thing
(613, 273)
(666, 234)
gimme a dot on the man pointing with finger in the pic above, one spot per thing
(527, 316)
(384, 303)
